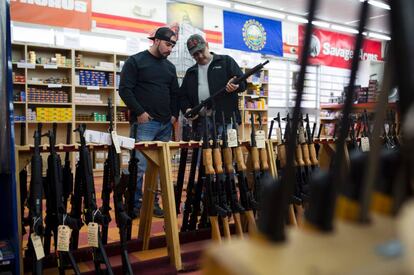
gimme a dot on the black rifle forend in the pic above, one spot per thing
(194, 111)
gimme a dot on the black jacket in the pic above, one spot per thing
(221, 69)
(149, 84)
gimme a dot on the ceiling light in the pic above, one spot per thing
(343, 29)
(321, 24)
(379, 36)
(297, 19)
(258, 11)
(378, 4)
(259, 2)
(219, 3)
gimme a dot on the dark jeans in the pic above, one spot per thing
(149, 131)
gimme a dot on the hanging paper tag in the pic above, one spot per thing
(38, 246)
(279, 135)
(93, 234)
(232, 138)
(116, 142)
(260, 139)
(364, 144)
(63, 238)
(301, 135)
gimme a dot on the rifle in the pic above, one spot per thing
(311, 146)
(91, 212)
(194, 111)
(23, 183)
(56, 215)
(35, 200)
(189, 205)
(220, 183)
(325, 187)
(246, 197)
(211, 192)
(181, 168)
(106, 196)
(131, 177)
(123, 221)
(230, 183)
(67, 171)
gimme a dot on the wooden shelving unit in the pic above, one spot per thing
(254, 100)
(35, 69)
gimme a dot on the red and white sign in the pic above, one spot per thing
(336, 49)
(62, 13)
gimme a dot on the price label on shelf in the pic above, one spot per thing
(92, 88)
(50, 66)
(23, 65)
(52, 85)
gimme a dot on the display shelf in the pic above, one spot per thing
(48, 122)
(359, 106)
(91, 104)
(19, 122)
(253, 96)
(91, 122)
(50, 103)
(256, 110)
(100, 87)
(67, 69)
(49, 85)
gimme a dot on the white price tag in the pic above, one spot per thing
(96, 88)
(50, 66)
(126, 142)
(63, 239)
(364, 144)
(30, 66)
(116, 142)
(54, 85)
(38, 246)
(93, 234)
(232, 138)
(260, 139)
(279, 135)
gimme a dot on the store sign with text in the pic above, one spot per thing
(336, 49)
(74, 14)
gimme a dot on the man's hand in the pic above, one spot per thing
(173, 119)
(230, 87)
(193, 118)
(144, 117)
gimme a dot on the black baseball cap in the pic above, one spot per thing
(196, 43)
(164, 33)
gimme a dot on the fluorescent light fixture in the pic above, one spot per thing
(297, 19)
(379, 36)
(378, 4)
(219, 3)
(343, 29)
(260, 11)
(321, 24)
(364, 33)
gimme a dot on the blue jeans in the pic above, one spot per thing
(149, 131)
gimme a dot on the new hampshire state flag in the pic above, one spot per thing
(253, 34)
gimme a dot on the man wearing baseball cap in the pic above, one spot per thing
(149, 88)
(210, 73)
